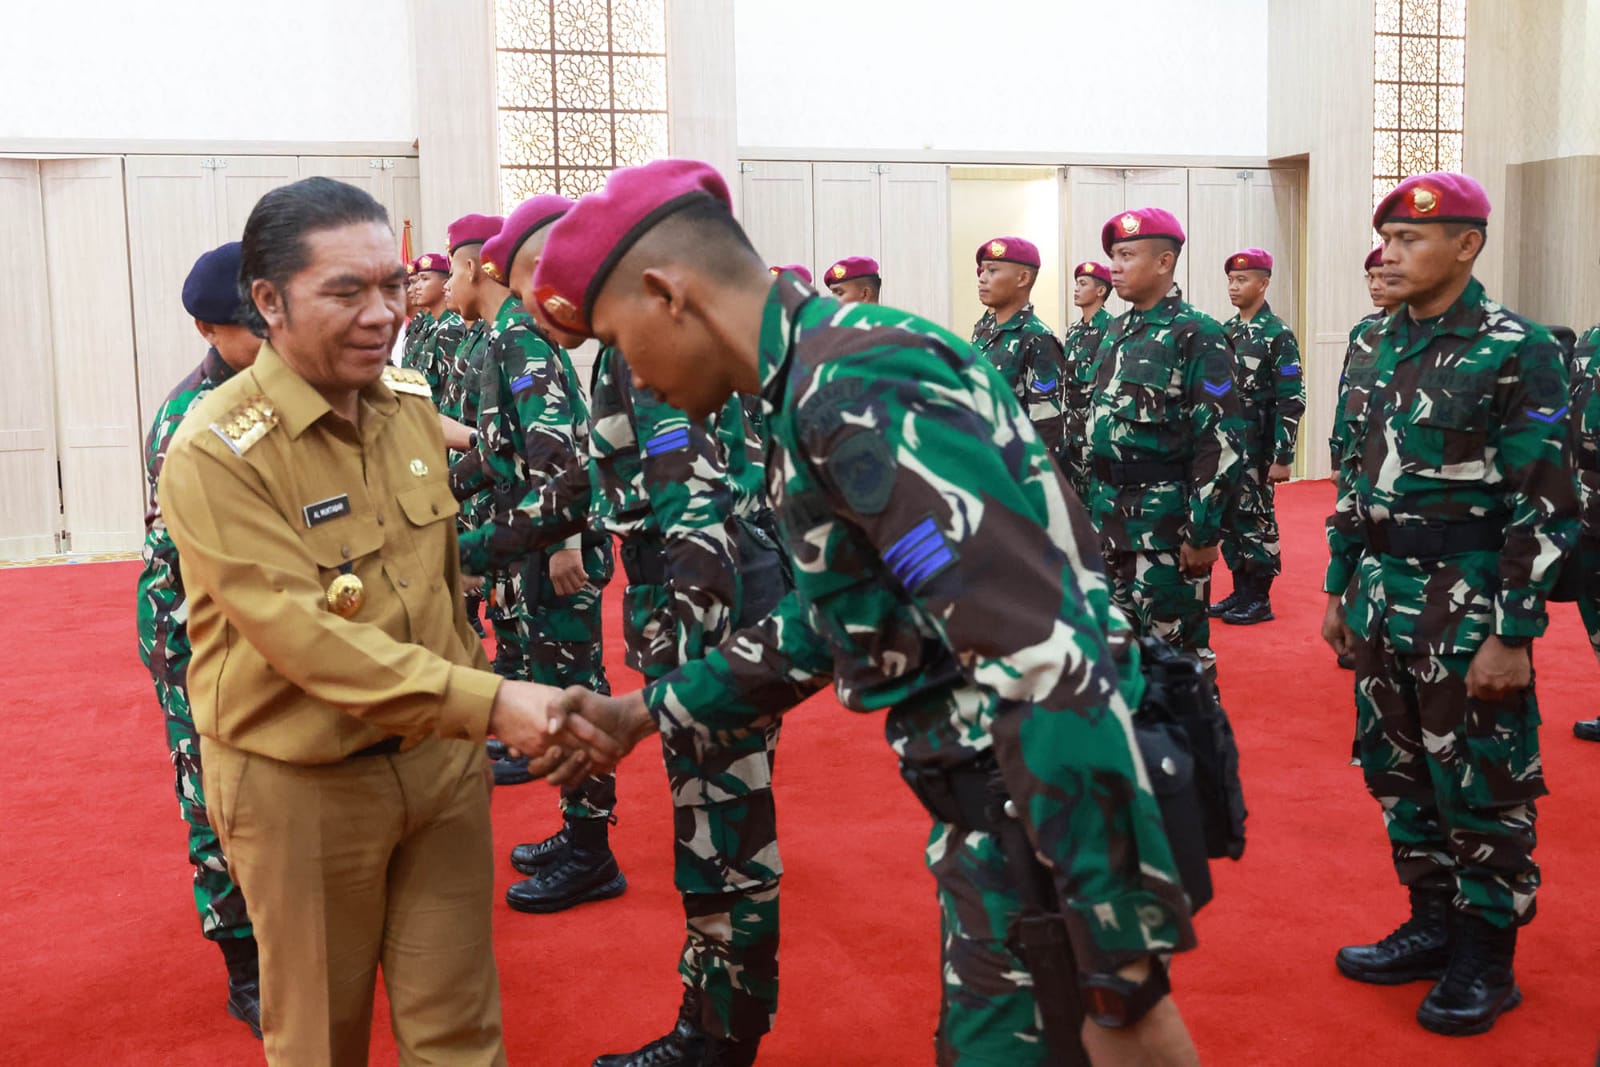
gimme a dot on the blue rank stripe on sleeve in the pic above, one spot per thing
(919, 555)
(1552, 417)
(670, 441)
(1218, 388)
(1044, 387)
(523, 383)
(1290, 370)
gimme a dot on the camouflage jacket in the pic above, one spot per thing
(1030, 360)
(1272, 390)
(438, 361)
(1346, 410)
(416, 351)
(1586, 426)
(944, 572)
(1164, 394)
(533, 446)
(162, 617)
(1081, 347)
(1466, 420)
(669, 481)
(460, 345)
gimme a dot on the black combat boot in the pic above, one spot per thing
(686, 1045)
(1241, 593)
(1478, 985)
(1257, 608)
(587, 871)
(244, 980)
(1586, 729)
(508, 771)
(1418, 949)
(535, 857)
(495, 749)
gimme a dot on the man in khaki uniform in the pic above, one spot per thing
(341, 696)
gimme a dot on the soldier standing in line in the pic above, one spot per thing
(1009, 335)
(799, 270)
(952, 582)
(1091, 284)
(1452, 526)
(211, 297)
(854, 280)
(1585, 417)
(1164, 438)
(428, 274)
(1272, 397)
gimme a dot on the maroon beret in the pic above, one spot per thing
(851, 267)
(1009, 250)
(1098, 271)
(530, 216)
(1374, 258)
(471, 229)
(1140, 224)
(1248, 259)
(1440, 196)
(435, 261)
(794, 268)
(588, 242)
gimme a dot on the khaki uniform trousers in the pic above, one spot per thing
(376, 860)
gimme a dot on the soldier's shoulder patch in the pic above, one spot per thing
(862, 465)
(246, 423)
(920, 554)
(522, 382)
(674, 440)
(407, 381)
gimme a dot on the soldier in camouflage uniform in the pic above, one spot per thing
(1022, 348)
(1453, 514)
(1091, 284)
(1163, 440)
(1272, 397)
(211, 296)
(954, 584)
(1585, 417)
(425, 349)
(854, 280)
(533, 426)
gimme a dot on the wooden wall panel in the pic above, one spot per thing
(915, 214)
(847, 212)
(457, 120)
(1558, 277)
(245, 180)
(1093, 195)
(701, 89)
(776, 211)
(1215, 229)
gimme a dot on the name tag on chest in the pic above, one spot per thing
(323, 510)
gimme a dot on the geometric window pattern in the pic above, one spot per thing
(1419, 89)
(582, 88)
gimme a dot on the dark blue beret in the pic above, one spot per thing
(211, 291)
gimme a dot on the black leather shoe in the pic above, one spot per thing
(1478, 985)
(509, 771)
(1257, 609)
(1419, 948)
(535, 857)
(1586, 729)
(686, 1046)
(494, 748)
(587, 872)
(244, 1002)
(1347, 661)
(1229, 602)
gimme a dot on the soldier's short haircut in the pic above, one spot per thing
(1167, 244)
(1456, 229)
(875, 283)
(274, 243)
(703, 233)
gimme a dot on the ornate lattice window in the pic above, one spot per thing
(1419, 89)
(583, 90)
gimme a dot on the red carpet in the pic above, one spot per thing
(103, 962)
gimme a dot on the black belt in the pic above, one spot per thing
(1433, 540)
(387, 747)
(1143, 472)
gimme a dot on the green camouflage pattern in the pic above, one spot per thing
(945, 573)
(666, 484)
(1272, 398)
(1465, 419)
(162, 622)
(1030, 360)
(1081, 349)
(1586, 456)
(428, 344)
(1151, 589)
(1347, 412)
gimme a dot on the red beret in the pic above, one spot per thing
(1248, 259)
(1098, 271)
(1139, 225)
(436, 261)
(794, 268)
(1441, 196)
(589, 241)
(1009, 250)
(471, 229)
(1374, 258)
(850, 268)
(530, 216)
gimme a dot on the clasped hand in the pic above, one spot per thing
(568, 735)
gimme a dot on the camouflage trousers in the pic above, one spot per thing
(1587, 556)
(1074, 461)
(217, 896)
(1159, 600)
(557, 640)
(1457, 778)
(1250, 542)
(725, 860)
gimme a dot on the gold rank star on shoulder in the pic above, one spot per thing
(405, 380)
(246, 424)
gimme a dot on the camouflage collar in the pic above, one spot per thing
(1464, 318)
(1015, 322)
(509, 309)
(1162, 314)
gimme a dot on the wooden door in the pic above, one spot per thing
(1216, 231)
(30, 506)
(776, 211)
(98, 432)
(1271, 218)
(1094, 195)
(914, 206)
(1166, 188)
(376, 174)
(847, 213)
(240, 181)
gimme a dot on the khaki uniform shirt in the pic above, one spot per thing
(270, 496)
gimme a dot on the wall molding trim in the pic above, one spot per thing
(45, 147)
(756, 154)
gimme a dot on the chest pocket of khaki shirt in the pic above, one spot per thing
(1143, 376)
(426, 508)
(351, 540)
(1448, 434)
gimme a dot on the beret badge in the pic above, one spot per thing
(1129, 224)
(492, 271)
(997, 248)
(837, 271)
(560, 308)
(1424, 201)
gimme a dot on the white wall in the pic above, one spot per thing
(1131, 77)
(291, 70)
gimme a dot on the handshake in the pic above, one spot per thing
(568, 734)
